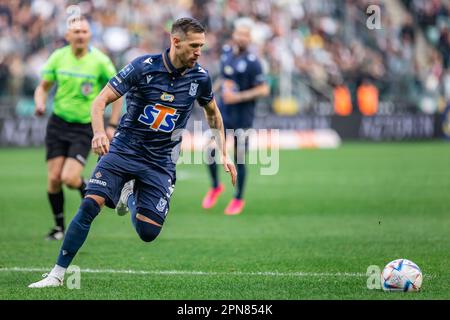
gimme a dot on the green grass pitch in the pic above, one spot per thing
(309, 232)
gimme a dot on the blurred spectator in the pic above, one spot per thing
(304, 42)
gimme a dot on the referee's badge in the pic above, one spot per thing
(193, 89)
(86, 88)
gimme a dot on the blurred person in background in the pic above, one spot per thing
(79, 72)
(243, 82)
(321, 42)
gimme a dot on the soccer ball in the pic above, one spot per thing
(401, 275)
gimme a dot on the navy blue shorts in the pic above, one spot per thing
(152, 189)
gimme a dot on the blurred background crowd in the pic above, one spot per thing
(350, 54)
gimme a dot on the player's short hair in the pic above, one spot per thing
(244, 22)
(185, 25)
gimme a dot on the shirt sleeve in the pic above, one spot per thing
(108, 70)
(206, 93)
(126, 78)
(258, 74)
(225, 69)
(49, 69)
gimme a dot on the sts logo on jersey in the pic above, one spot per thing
(159, 117)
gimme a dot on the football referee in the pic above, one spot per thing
(79, 72)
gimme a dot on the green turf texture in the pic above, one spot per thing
(326, 211)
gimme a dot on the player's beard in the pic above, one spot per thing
(80, 45)
(241, 48)
(190, 62)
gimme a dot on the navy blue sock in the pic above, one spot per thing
(241, 171)
(240, 152)
(132, 206)
(212, 167)
(77, 232)
(147, 231)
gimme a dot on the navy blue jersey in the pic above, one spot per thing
(246, 72)
(159, 101)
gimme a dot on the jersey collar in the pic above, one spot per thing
(170, 67)
(238, 53)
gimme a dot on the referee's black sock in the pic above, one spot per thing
(82, 188)
(57, 203)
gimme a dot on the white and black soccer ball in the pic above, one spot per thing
(401, 275)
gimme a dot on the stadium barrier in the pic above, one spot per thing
(299, 131)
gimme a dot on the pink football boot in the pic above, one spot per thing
(211, 197)
(235, 207)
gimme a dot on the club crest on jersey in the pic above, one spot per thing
(159, 117)
(241, 66)
(161, 204)
(193, 89)
(86, 88)
(167, 97)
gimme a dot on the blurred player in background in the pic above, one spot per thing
(79, 72)
(243, 82)
(161, 91)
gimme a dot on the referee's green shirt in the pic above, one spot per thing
(78, 81)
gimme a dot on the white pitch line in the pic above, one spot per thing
(198, 273)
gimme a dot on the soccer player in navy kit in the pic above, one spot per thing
(161, 91)
(243, 83)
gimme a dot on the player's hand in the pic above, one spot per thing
(100, 143)
(110, 131)
(39, 110)
(230, 92)
(230, 97)
(231, 169)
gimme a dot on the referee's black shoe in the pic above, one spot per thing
(57, 233)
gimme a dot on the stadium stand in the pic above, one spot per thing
(310, 48)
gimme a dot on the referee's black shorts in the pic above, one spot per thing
(70, 140)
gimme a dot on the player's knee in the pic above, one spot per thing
(70, 180)
(211, 154)
(54, 179)
(89, 209)
(98, 199)
(147, 231)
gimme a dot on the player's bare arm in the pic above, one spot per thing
(232, 97)
(114, 119)
(40, 96)
(100, 141)
(214, 119)
(218, 83)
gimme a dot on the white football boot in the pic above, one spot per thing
(48, 282)
(122, 206)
